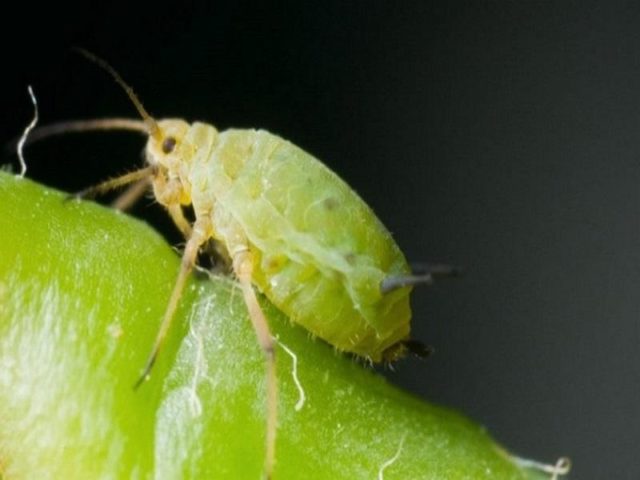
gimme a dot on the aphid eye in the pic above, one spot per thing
(168, 144)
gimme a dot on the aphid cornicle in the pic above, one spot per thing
(286, 223)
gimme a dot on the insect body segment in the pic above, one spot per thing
(319, 252)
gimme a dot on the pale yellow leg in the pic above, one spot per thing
(177, 215)
(114, 183)
(169, 193)
(131, 195)
(243, 268)
(198, 237)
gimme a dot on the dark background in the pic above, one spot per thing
(500, 136)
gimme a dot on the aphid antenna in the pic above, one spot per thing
(81, 126)
(152, 126)
(147, 125)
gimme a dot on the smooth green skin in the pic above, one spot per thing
(82, 290)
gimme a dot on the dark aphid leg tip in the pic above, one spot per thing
(418, 349)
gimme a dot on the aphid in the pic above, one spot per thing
(285, 223)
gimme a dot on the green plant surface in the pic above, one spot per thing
(82, 291)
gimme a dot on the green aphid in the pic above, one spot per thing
(284, 223)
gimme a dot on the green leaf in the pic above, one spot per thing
(82, 291)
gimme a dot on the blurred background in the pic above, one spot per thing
(500, 136)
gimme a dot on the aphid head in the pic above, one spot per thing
(169, 153)
(166, 149)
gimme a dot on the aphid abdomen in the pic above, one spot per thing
(320, 252)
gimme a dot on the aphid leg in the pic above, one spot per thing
(114, 183)
(422, 274)
(213, 259)
(243, 268)
(177, 215)
(188, 260)
(131, 195)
